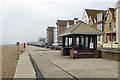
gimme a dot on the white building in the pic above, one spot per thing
(118, 21)
(100, 26)
(55, 35)
(85, 17)
(90, 13)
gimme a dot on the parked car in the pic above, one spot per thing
(48, 44)
(29, 43)
(42, 45)
(55, 45)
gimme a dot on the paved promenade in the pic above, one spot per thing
(53, 65)
(24, 67)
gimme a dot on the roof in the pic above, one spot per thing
(93, 13)
(112, 10)
(62, 22)
(81, 28)
(49, 28)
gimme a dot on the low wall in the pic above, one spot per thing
(65, 51)
(85, 53)
(112, 55)
(109, 46)
(98, 45)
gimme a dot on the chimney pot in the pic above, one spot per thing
(75, 18)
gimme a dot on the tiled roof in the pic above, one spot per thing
(93, 13)
(81, 28)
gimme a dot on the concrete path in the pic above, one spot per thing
(53, 65)
(48, 69)
(24, 67)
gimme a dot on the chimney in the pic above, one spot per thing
(75, 20)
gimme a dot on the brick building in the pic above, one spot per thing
(63, 25)
(50, 35)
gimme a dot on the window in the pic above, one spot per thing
(70, 42)
(99, 17)
(109, 16)
(114, 26)
(66, 42)
(99, 27)
(107, 27)
(65, 26)
(110, 26)
(111, 38)
(103, 16)
(82, 41)
(102, 27)
(86, 42)
(99, 38)
(94, 21)
(114, 38)
(91, 43)
(107, 38)
(77, 42)
(85, 21)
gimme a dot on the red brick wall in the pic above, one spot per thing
(96, 53)
(50, 34)
(60, 29)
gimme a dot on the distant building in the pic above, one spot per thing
(55, 35)
(50, 35)
(63, 25)
(42, 40)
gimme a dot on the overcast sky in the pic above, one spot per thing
(27, 20)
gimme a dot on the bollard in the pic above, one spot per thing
(24, 47)
(17, 50)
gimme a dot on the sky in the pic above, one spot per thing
(27, 20)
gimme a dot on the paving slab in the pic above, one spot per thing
(78, 68)
(48, 69)
(24, 67)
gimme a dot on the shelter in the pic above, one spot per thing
(80, 40)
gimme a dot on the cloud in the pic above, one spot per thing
(27, 20)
